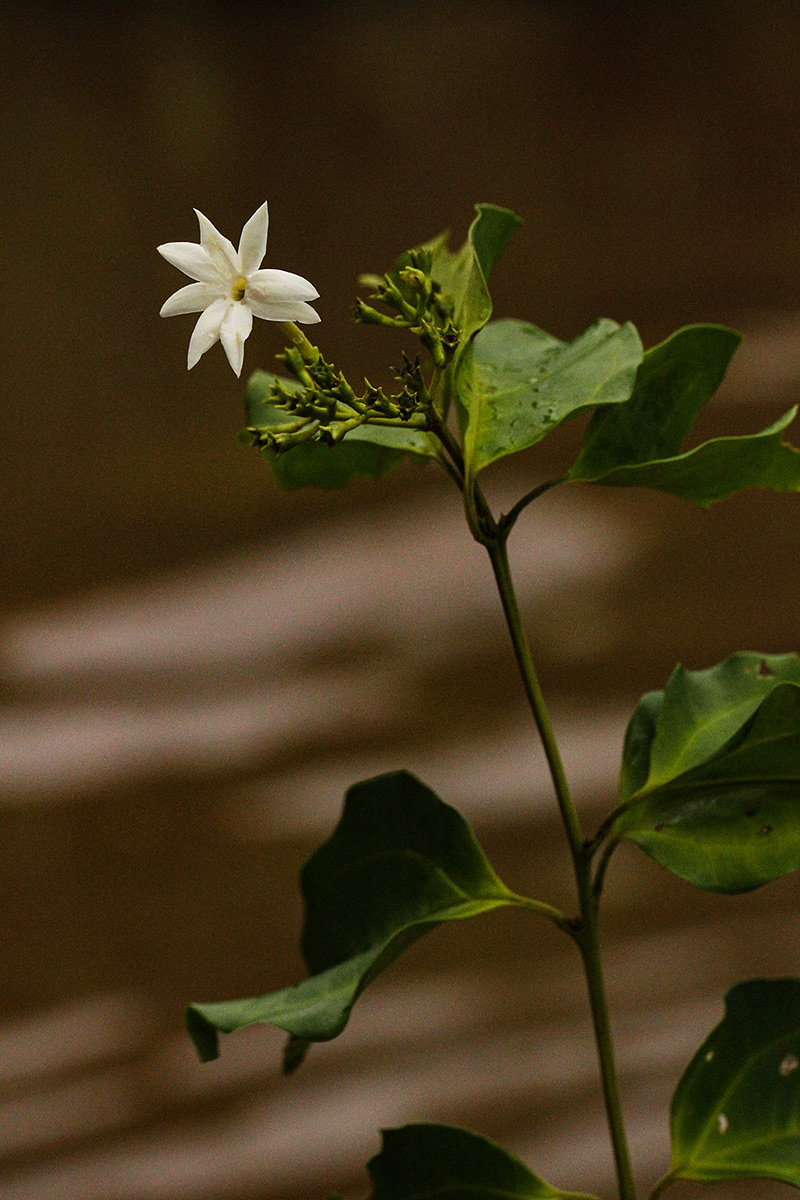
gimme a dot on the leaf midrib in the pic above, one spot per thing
(432, 868)
(719, 1107)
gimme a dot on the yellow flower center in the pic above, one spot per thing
(239, 288)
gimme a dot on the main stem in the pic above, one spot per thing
(586, 930)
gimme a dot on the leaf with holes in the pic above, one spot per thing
(419, 1162)
(711, 773)
(736, 1111)
(399, 863)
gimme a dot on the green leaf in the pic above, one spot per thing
(699, 712)
(674, 381)
(736, 1111)
(639, 738)
(463, 276)
(368, 452)
(711, 773)
(399, 862)
(419, 1162)
(638, 444)
(517, 383)
(720, 468)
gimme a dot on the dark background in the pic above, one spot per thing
(653, 151)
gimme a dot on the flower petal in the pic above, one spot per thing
(253, 242)
(206, 331)
(190, 299)
(192, 259)
(285, 310)
(269, 285)
(218, 248)
(235, 329)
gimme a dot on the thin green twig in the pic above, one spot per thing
(507, 521)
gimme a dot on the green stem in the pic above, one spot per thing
(507, 522)
(482, 524)
(298, 339)
(589, 945)
(505, 586)
(586, 929)
(602, 867)
(549, 911)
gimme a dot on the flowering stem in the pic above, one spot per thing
(298, 339)
(585, 929)
(498, 556)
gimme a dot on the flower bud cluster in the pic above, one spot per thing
(417, 302)
(326, 407)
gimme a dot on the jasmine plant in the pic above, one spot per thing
(710, 766)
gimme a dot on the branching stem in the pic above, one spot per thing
(506, 522)
(493, 534)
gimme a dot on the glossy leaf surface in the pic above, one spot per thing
(674, 381)
(517, 383)
(698, 713)
(736, 1111)
(419, 1162)
(463, 275)
(399, 863)
(638, 444)
(711, 773)
(368, 452)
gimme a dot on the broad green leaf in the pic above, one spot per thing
(721, 839)
(463, 276)
(719, 468)
(367, 452)
(700, 711)
(420, 1162)
(674, 381)
(736, 1111)
(711, 773)
(399, 863)
(638, 444)
(516, 383)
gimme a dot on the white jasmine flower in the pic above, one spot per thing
(231, 290)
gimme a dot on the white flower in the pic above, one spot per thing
(231, 290)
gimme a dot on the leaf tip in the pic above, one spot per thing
(203, 1034)
(294, 1053)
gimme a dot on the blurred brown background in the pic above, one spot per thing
(194, 667)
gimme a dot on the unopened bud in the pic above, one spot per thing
(416, 279)
(370, 316)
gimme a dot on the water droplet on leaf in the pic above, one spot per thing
(789, 1064)
(722, 1123)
